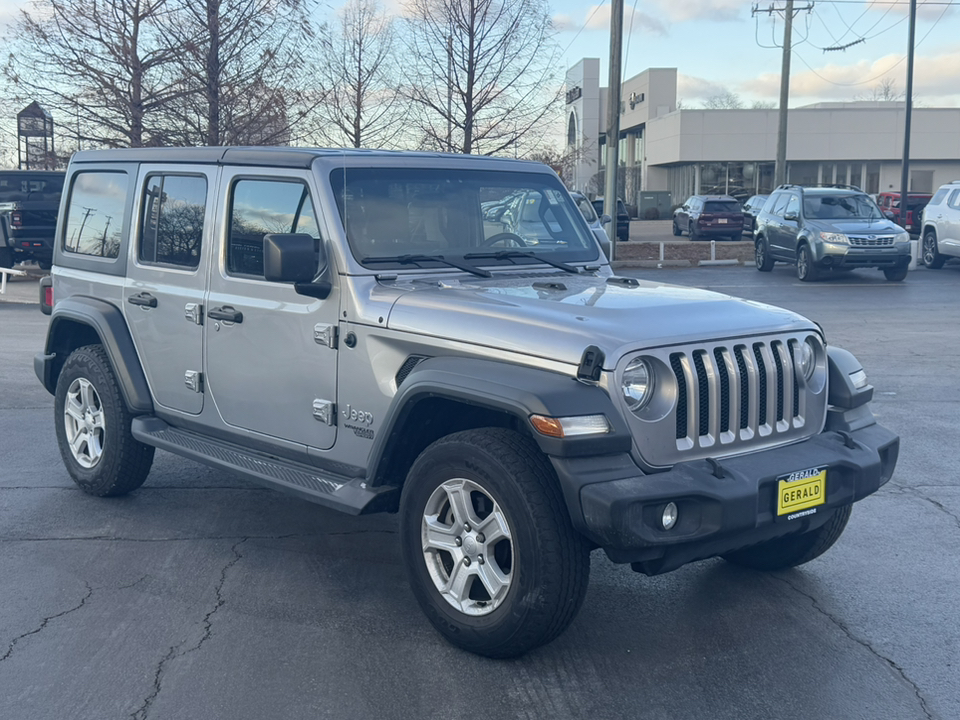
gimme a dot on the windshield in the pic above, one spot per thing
(840, 207)
(30, 186)
(394, 212)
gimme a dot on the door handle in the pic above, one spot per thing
(226, 313)
(143, 299)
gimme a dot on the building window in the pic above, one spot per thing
(873, 178)
(713, 179)
(803, 173)
(572, 130)
(921, 181)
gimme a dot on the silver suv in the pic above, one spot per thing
(941, 226)
(376, 332)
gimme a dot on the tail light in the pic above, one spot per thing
(46, 294)
(16, 219)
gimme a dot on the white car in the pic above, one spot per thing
(941, 226)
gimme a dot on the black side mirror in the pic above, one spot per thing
(292, 257)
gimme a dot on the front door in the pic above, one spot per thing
(269, 367)
(165, 284)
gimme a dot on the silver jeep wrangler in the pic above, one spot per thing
(441, 336)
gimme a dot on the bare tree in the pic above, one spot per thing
(883, 91)
(100, 61)
(481, 73)
(763, 105)
(359, 70)
(726, 100)
(246, 65)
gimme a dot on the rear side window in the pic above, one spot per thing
(261, 207)
(721, 206)
(171, 230)
(954, 201)
(95, 213)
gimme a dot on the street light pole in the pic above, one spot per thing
(905, 170)
(613, 121)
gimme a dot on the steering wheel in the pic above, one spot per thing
(508, 238)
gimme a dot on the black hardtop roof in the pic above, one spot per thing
(287, 157)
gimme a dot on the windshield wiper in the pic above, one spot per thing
(417, 259)
(510, 254)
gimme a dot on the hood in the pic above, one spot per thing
(857, 227)
(557, 316)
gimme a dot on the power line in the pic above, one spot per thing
(582, 28)
(633, 12)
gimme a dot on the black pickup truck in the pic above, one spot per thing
(29, 201)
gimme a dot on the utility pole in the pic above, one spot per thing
(780, 171)
(905, 170)
(613, 121)
(450, 91)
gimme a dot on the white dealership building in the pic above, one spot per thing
(733, 151)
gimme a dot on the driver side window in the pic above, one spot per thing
(261, 207)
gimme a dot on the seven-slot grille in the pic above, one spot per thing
(736, 392)
(877, 241)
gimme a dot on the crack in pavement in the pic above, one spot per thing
(46, 621)
(915, 492)
(175, 651)
(111, 538)
(863, 643)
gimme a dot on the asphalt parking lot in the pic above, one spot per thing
(202, 596)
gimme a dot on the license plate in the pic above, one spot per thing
(722, 221)
(800, 491)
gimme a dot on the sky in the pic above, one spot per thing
(717, 46)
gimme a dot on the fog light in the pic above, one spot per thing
(669, 517)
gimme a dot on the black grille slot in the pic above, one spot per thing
(779, 363)
(681, 395)
(724, 390)
(796, 382)
(762, 377)
(703, 411)
(408, 365)
(744, 387)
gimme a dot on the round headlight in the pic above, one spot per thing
(808, 359)
(637, 384)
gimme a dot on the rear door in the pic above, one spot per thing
(165, 283)
(271, 357)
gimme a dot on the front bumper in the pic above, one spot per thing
(850, 256)
(727, 506)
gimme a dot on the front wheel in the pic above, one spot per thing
(793, 550)
(676, 229)
(489, 549)
(762, 255)
(895, 274)
(807, 271)
(931, 255)
(93, 427)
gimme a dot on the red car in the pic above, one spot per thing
(889, 203)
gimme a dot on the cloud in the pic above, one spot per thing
(690, 88)
(598, 18)
(936, 79)
(710, 10)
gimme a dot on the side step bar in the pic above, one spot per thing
(349, 495)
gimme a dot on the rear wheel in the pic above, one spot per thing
(489, 549)
(692, 231)
(737, 237)
(793, 550)
(6, 258)
(807, 270)
(931, 256)
(762, 255)
(93, 427)
(895, 274)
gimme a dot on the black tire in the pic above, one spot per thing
(44, 264)
(676, 230)
(737, 237)
(895, 274)
(762, 255)
(6, 258)
(931, 256)
(547, 561)
(122, 463)
(793, 550)
(692, 232)
(807, 270)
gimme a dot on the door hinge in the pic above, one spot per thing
(194, 313)
(325, 335)
(325, 411)
(194, 380)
